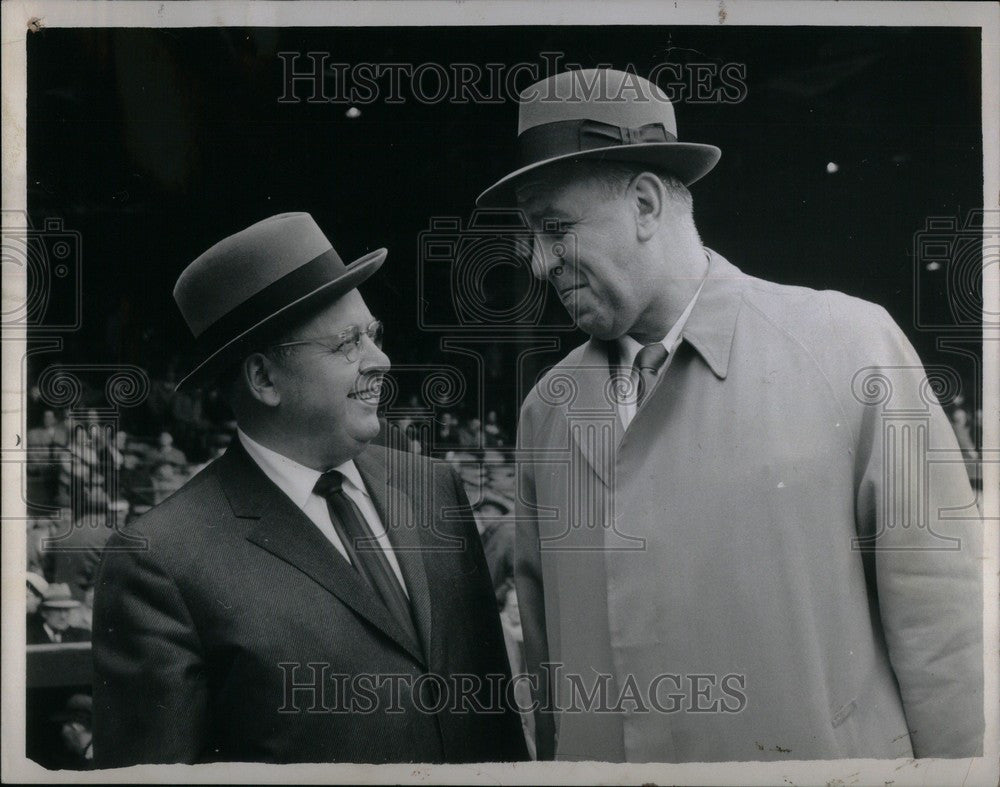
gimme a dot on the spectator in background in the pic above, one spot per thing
(53, 623)
(470, 470)
(110, 450)
(34, 405)
(166, 452)
(82, 617)
(36, 587)
(76, 550)
(47, 442)
(494, 434)
(470, 435)
(961, 425)
(76, 733)
(39, 529)
(447, 436)
(80, 470)
(134, 482)
(51, 434)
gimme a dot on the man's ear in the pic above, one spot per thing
(258, 374)
(649, 197)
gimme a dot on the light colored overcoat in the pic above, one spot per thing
(779, 559)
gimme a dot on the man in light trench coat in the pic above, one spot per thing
(745, 531)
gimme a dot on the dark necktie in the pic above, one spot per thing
(367, 556)
(647, 364)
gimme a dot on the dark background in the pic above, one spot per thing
(154, 144)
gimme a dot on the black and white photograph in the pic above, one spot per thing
(409, 392)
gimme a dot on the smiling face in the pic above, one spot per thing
(328, 404)
(586, 245)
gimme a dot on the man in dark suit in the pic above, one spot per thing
(52, 623)
(303, 598)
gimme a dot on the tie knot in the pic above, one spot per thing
(651, 357)
(329, 483)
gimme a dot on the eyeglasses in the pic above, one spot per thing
(346, 342)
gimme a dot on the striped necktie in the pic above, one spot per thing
(365, 552)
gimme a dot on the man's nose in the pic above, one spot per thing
(373, 358)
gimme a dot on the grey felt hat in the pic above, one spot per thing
(278, 268)
(598, 114)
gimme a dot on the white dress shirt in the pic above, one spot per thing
(298, 481)
(628, 349)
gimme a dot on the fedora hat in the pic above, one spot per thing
(598, 114)
(57, 596)
(276, 269)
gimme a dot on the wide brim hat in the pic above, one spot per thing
(598, 114)
(277, 270)
(57, 596)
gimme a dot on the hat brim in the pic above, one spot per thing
(688, 161)
(59, 604)
(355, 274)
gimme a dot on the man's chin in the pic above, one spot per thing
(368, 428)
(597, 329)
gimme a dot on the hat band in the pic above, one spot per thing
(275, 296)
(549, 140)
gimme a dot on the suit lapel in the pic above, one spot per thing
(406, 533)
(286, 532)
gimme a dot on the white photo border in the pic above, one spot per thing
(17, 19)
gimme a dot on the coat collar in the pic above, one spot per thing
(283, 530)
(710, 328)
(712, 323)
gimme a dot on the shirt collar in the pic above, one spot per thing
(294, 479)
(628, 348)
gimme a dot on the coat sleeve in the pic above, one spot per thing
(150, 693)
(530, 591)
(921, 539)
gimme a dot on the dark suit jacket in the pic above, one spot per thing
(35, 633)
(240, 633)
